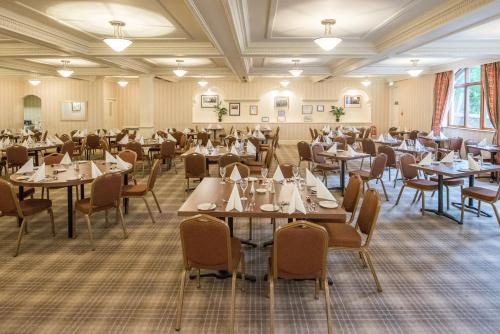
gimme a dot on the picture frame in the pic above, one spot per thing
(264, 119)
(320, 108)
(307, 109)
(74, 111)
(76, 106)
(254, 110)
(308, 119)
(281, 116)
(209, 101)
(234, 109)
(352, 101)
(281, 102)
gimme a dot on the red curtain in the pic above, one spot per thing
(441, 89)
(491, 88)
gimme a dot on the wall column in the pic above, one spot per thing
(146, 104)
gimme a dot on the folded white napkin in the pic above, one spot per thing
(448, 157)
(418, 146)
(56, 140)
(198, 149)
(160, 140)
(310, 178)
(30, 140)
(380, 138)
(171, 138)
(389, 137)
(403, 145)
(473, 165)
(278, 175)
(30, 133)
(209, 144)
(260, 135)
(122, 165)
(323, 192)
(154, 136)
(39, 174)
(141, 140)
(234, 201)
(124, 140)
(350, 151)
(234, 151)
(251, 149)
(235, 174)
(483, 143)
(95, 170)
(442, 136)
(27, 167)
(339, 133)
(25, 144)
(257, 127)
(49, 142)
(235, 135)
(431, 135)
(328, 140)
(426, 161)
(66, 160)
(316, 140)
(110, 158)
(296, 203)
(333, 149)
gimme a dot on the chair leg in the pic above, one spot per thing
(149, 209)
(383, 187)
(327, 303)
(400, 193)
(396, 177)
(233, 301)
(122, 221)
(271, 301)
(51, 215)
(20, 236)
(462, 209)
(243, 271)
(89, 228)
(362, 257)
(423, 202)
(447, 198)
(156, 200)
(180, 300)
(372, 269)
(316, 288)
(415, 197)
(496, 212)
(198, 280)
(478, 208)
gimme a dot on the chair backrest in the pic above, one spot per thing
(17, 155)
(178, 135)
(389, 152)
(206, 243)
(53, 158)
(244, 170)
(154, 174)
(368, 132)
(341, 142)
(473, 150)
(136, 147)
(256, 143)
(93, 141)
(120, 136)
(9, 204)
(287, 170)
(300, 251)
(203, 137)
(368, 214)
(352, 193)
(350, 138)
(316, 150)
(167, 149)
(106, 191)
(194, 165)
(269, 158)
(227, 159)
(311, 132)
(413, 135)
(182, 140)
(378, 165)
(68, 147)
(64, 137)
(304, 149)
(361, 132)
(455, 144)
(128, 156)
(230, 140)
(407, 171)
(369, 146)
(44, 137)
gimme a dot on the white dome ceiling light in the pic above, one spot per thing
(65, 71)
(296, 71)
(34, 81)
(123, 83)
(117, 43)
(284, 83)
(366, 82)
(203, 83)
(328, 42)
(179, 71)
(415, 71)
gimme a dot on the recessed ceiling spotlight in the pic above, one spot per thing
(414, 71)
(123, 82)
(328, 42)
(296, 71)
(117, 42)
(65, 71)
(179, 71)
(284, 83)
(366, 82)
(202, 83)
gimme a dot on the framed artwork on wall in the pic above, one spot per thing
(76, 106)
(264, 119)
(254, 110)
(209, 101)
(281, 102)
(74, 111)
(352, 101)
(281, 116)
(234, 109)
(320, 108)
(307, 109)
(308, 119)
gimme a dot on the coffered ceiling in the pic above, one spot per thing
(242, 39)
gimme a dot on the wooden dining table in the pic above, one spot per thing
(36, 148)
(67, 176)
(456, 169)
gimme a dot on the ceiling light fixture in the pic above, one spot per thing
(284, 83)
(65, 71)
(34, 81)
(296, 71)
(328, 42)
(117, 43)
(414, 71)
(179, 71)
(366, 82)
(123, 82)
(391, 83)
(202, 83)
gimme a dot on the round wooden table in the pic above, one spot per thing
(66, 176)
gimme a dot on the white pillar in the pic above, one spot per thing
(146, 104)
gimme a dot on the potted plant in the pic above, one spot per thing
(337, 112)
(220, 110)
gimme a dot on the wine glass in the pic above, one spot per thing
(222, 171)
(263, 172)
(244, 186)
(296, 172)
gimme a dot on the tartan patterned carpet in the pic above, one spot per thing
(437, 276)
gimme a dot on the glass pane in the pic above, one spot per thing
(487, 121)
(457, 114)
(473, 106)
(460, 76)
(474, 74)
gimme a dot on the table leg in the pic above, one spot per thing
(493, 176)
(440, 211)
(342, 175)
(70, 212)
(21, 197)
(125, 200)
(36, 158)
(82, 191)
(231, 232)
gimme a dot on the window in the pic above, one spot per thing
(469, 109)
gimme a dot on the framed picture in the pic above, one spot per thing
(308, 119)
(307, 109)
(320, 108)
(76, 106)
(209, 101)
(282, 116)
(281, 102)
(264, 119)
(254, 110)
(352, 101)
(234, 109)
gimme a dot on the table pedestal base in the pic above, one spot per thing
(222, 274)
(444, 214)
(470, 208)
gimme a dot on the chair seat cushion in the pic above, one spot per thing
(134, 190)
(364, 174)
(449, 182)
(342, 235)
(33, 206)
(235, 253)
(480, 193)
(83, 205)
(326, 167)
(422, 184)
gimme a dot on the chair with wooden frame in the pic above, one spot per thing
(167, 152)
(341, 142)
(10, 206)
(105, 194)
(376, 172)
(320, 163)
(256, 166)
(300, 253)
(137, 148)
(287, 170)
(227, 159)
(411, 179)
(68, 147)
(130, 157)
(368, 147)
(93, 143)
(141, 190)
(194, 167)
(345, 237)
(17, 156)
(391, 160)
(202, 138)
(305, 153)
(481, 195)
(207, 245)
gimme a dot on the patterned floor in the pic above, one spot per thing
(437, 276)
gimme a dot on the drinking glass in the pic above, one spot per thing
(296, 172)
(263, 172)
(244, 186)
(222, 171)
